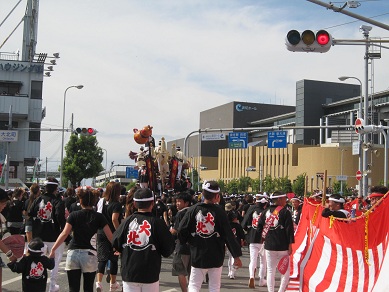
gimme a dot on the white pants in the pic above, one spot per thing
(140, 287)
(231, 269)
(57, 259)
(254, 253)
(272, 258)
(197, 276)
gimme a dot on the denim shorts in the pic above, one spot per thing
(81, 259)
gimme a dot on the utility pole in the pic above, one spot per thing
(346, 12)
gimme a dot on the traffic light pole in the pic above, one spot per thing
(365, 181)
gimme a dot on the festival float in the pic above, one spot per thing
(159, 169)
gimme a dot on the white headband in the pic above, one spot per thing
(51, 183)
(340, 200)
(39, 250)
(144, 199)
(207, 185)
(279, 196)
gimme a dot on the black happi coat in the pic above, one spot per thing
(206, 228)
(142, 239)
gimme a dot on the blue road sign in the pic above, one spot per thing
(276, 139)
(238, 140)
(131, 172)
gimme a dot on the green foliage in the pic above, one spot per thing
(130, 185)
(298, 185)
(83, 158)
(346, 190)
(194, 178)
(336, 187)
(243, 184)
(268, 184)
(255, 185)
(222, 185)
(232, 186)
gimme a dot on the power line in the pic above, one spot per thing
(355, 21)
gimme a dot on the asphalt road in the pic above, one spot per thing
(168, 283)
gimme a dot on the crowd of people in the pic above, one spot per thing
(136, 228)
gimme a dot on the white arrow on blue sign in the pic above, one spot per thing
(277, 139)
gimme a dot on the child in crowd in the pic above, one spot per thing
(237, 230)
(33, 267)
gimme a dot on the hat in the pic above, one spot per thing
(376, 195)
(143, 195)
(263, 200)
(228, 207)
(276, 195)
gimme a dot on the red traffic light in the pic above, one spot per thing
(322, 37)
(86, 131)
(308, 41)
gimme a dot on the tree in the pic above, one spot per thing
(83, 159)
(298, 185)
(268, 184)
(233, 186)
(194, 177)
(222, 185)
(130, 185)
(244, 183)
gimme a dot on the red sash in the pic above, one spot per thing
(269, 221)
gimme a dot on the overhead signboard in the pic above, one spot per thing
(8, 136)
(276, 139)
(238, 140)
(356, 147)
(213, 137)
(341, 177)
(131, 172)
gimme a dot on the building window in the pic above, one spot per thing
(34, 135)
(10, 88)
(36, 89)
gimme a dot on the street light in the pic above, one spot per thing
(106, 165)
(252, 168)
(341, 169)
(360, 115)
(343, 78)
(63, 129)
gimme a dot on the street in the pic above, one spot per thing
(168, 283)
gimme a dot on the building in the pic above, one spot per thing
(309, 150)
(21, 84)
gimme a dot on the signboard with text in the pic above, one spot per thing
(238, 140)
(213, 137)
(8, 136)
(131, 172)
(276, 139)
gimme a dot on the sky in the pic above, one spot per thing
(161, 63)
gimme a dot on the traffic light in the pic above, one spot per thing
(86, 131)
(308, 41)
(363, 129)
